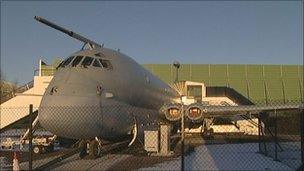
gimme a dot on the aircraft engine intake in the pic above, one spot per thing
(172, 112)
(195, 112)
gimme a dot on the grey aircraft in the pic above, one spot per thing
(102, 94)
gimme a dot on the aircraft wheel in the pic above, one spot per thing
(99, 149)
(93, 149)
(37, 149)
(82, 149)
(210, 133)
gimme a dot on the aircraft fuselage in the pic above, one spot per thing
(87, 101)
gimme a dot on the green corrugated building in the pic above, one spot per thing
(261, 83)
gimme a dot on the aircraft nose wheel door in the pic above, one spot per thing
(100, 94)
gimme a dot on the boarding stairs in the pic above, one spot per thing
(15, 110)
(19, 90)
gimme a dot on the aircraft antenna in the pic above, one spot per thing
(68, 32)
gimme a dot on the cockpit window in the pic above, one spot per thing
(76, 60)
(100, 55)
(96, 63)
(105, 63)
(87, 61)
(66, 62)
(60, 65)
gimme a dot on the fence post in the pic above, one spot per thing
(183, 138)
(265, 92)
(30, 137)
(302, 133)
(259, 130)
(209, 75)
(276, 136)
(263, 127)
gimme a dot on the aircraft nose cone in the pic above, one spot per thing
(71, 117)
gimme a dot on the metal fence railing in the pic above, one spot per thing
(13, 92)
(98, 138)
(45, 71)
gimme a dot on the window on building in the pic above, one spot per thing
(194, 92)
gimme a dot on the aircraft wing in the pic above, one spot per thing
(198, 111)
(228, 111)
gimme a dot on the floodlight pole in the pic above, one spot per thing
(302, 133)
(176, 64)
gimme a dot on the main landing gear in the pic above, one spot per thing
(208, 131)
(90, 149)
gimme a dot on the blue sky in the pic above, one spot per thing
(153, 32)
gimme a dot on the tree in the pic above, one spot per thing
(7, 89)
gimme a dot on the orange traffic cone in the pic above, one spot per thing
(16, 162)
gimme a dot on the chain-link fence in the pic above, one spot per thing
(281, 136)
(122, 137)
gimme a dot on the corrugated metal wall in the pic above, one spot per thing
(261, 83)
